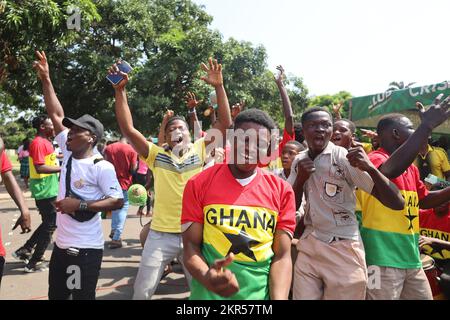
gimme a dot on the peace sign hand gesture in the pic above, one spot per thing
(41, 66)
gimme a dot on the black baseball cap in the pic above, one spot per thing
(86, 122)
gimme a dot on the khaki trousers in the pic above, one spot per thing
(398, 284)
(330, 271)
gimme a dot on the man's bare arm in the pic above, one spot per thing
(54, 108)
(280, 275)
(124, 118)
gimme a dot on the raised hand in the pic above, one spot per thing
(281, 75)
(236, 109)
(191, 101)
(169, 114)
(436, 114)
(214, 73)
(41, 66)
(208, 111)
(114, 70)
(222, 281)
(357, 158)
(337, 110)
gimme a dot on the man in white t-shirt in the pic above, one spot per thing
(88, 185)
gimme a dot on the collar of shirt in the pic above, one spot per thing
(328, 150)
(429, 149)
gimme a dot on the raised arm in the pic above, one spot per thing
(287, 108)
(337, 110)
(404, 156)
(192, 104)
(215, 79)
(162, 133)
(54, 108)
(123, 115)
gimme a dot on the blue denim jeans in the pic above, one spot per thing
(119, 216)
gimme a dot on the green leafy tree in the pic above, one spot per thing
(26, 25)
(329, 101)
(164, 40)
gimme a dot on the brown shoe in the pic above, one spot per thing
(115, 244)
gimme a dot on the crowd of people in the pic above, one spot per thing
(248, 213)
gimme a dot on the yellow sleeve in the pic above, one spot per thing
(153, 150)
(200, 148)
(444, 161)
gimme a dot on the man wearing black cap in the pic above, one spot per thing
(88, 185)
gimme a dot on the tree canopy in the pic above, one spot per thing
(164, 40)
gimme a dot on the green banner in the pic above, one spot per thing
(366, 111)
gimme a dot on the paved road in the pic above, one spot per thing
(119, 266)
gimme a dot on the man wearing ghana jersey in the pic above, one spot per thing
(435, 240)
(247, 229)
(172, 167)
(391, 237)
(44, 189)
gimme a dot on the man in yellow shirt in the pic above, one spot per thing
(172, 167)
(433, 160)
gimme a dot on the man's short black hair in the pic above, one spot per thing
(173, 119)
(312, 110)
(351, 125)
(256, 116)
(388, 121)
(38, 121)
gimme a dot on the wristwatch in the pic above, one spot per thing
(192, 111)
(83, 205)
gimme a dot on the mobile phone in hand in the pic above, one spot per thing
(116, 78)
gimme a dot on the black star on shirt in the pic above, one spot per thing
(241, 243)
(437, 249)
(410, 217)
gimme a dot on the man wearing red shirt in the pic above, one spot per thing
(14, 190)
(124, 159)
(435, 239)
(247, 229)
